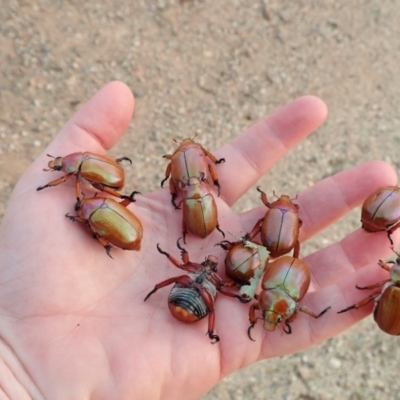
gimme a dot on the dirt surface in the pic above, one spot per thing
(216, 67)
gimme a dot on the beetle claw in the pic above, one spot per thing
(161, 251)
(289, 328)
(223, 234)
(213, 337)
(242, 299)
(118, 160)
(108, 251)
(249, 331)
(221, 160)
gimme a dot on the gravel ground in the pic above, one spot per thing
(216, 67)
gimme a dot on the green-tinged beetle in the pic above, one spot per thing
(387, 299)
(101, 171)
(200, 214)
(111, 222)
(381, 211)
(285, 282)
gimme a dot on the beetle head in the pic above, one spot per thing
(55, 164)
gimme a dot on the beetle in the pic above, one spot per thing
(381, 211)
(240, 261)
(279, 228)
(189, 160)
(111, 222)
(285, 282)
(200, 214)
(387, 299)
(101, 171)
(193, 296)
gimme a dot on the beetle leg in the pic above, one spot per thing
(312, 313)
(361, 303)
(174, 193)
(228, 293)
(374, 286)
(184, 230)
(226, 244)
(75, 218)
(118, 160)
(56, 181)
(106, 189)
(129, 199)
(183, 280)
(264, 198)
(223, 234)
(288, 331)
(296, 250)
(210, 331)
(385, 265)
(252, 318)
(176, 263)
(214, 177)
(209, 302)
(212, 157)
(184, 253)
(105, 244)
(167, 171)
(257, 228)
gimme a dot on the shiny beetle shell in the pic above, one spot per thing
(111, 223)
(285, 282)
(279, 228)
(189, 160)
(381, 210)
(289, 274)
(101, 171)
(241, 262)
(386, 299)
(200, 214)
(387, 310)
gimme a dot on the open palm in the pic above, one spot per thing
(73, 323)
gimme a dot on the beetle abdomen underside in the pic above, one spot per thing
(186, 304)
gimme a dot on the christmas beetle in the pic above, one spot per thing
(387, 299)
(200, 214)
(102, 172)
(193, 295)
(111, 223)
(241, 261)
(279, 228)
(285, 282)
(381, 211)
(189, 160)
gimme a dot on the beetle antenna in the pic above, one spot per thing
(49, 155)
(194, 137)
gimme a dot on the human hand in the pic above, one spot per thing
(73, 323)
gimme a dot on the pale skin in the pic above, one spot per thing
(73, 323)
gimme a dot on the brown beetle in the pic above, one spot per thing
(279, 228)
(193, 295)
(240, 261)
(200, 213)
(110, 222)
(387, 299)
(381, 211)
(101, 171)
(189, 160)
(285, 282)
